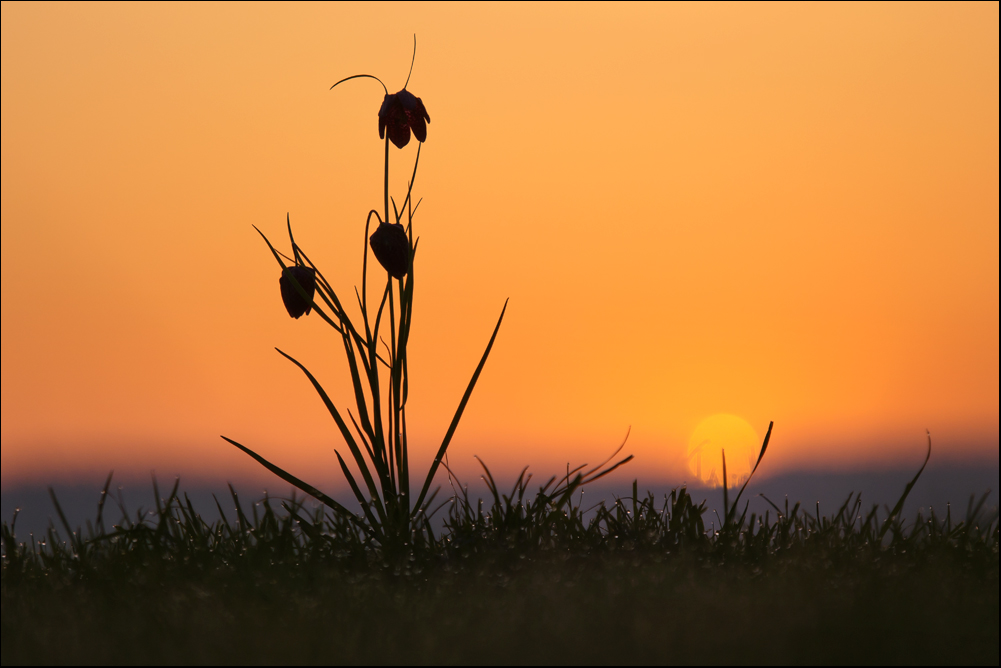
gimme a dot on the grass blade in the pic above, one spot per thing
(345, 432)
(291, 479)
(358, 495)
(907, 490)
(761, 455)
(458, 413)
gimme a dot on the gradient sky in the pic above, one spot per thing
(776, 212)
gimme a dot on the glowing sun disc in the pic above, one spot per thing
(714, 435)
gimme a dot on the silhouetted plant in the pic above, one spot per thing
(376, 434)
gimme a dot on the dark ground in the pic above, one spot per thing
(538, 608)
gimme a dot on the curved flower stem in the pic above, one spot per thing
(364, 266)
(385, 186)
(412, 59)
(369, 76)
(410, 187)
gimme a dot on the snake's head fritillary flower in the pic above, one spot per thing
(294, 303)
(400, 113)
(392, 248)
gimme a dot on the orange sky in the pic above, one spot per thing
(777, 212)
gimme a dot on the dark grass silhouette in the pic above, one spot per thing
(524, 577)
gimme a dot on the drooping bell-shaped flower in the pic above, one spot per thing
(400, 113)
(294, 302)
(392, 248)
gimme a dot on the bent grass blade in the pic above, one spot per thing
(289, 478)
(903, 497)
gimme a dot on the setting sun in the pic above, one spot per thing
(718, 434)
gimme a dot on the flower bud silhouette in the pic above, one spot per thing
(400, 113)
(294, 303)
(392, 248)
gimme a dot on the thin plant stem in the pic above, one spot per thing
(364, 265)
(393, 394)
(385, 184)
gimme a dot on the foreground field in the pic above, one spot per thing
(524, 580)
(550, 608)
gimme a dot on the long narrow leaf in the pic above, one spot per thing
(361, 436)
(405, 481)
(726, 493)
(360, 398)
(100, 504)
(410, 187)
(458, 413)
(608, 470)
(291, 479)
(610, 457)
(345, 432)
(907, 490)
(357, 492)
(761, 455)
